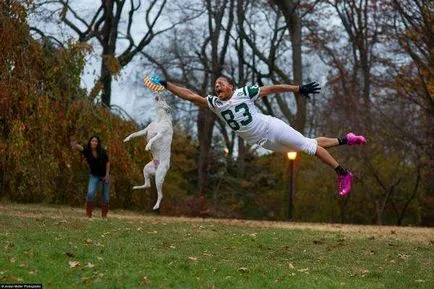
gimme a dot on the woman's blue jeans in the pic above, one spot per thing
(93, 185)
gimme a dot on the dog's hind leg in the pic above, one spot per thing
(148, 171)
(160, 174)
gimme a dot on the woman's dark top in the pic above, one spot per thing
(97, 165)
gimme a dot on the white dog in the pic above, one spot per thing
(159, 135)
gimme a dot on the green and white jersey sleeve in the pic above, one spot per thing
(241, 114)
(252, 91)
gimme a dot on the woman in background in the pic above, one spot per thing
(99, 165)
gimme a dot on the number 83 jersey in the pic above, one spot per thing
(241, 114)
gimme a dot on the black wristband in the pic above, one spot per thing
(163, 82)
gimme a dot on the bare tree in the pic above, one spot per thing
(293, 24)
(219, 42)
(354, 62)
(106, 25)
(282, 19)
(413, 22)
(198, 61)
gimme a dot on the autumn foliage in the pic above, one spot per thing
(42, 106)
(388, 98)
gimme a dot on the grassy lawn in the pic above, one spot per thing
(59, 248)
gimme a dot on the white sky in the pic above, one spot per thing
(128, 90)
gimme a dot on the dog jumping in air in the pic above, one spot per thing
(159, 135)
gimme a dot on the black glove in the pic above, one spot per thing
(312, 87)
(155, 79)
(163, 82)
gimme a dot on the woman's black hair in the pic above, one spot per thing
(228, 79)
(99, 149)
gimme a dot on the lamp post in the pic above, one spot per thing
(291, 157)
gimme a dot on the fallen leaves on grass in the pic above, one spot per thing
(146, 280)
(73, 264)
(364, 272)
(304, 270)
(193, 259)
(95, 277)
(98, 244)
(90, 265)
(9, 245)
(403, 256)
(29, 253)
(10, 278)
(361, 273)
(61, 222)
(243, 269)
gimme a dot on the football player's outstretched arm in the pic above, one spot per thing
(312, 87)
(186, 94)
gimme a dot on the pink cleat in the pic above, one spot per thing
(353, 139)
(345, 182)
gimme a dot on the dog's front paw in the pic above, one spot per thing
(148, 147)
(127, 139)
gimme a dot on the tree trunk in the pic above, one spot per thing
(241, 162)
(241, 82)
(300, 119)
(428, 176)
(109, 32)
(293, 23)
(106, 81)
(205, 125)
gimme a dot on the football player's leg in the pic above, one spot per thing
(327, 142)
(275, 146)
(284, 135)
(349, 139)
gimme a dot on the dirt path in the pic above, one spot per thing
(63, 212)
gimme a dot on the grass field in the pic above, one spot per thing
(58, 247)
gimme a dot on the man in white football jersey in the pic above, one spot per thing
(236, 107)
